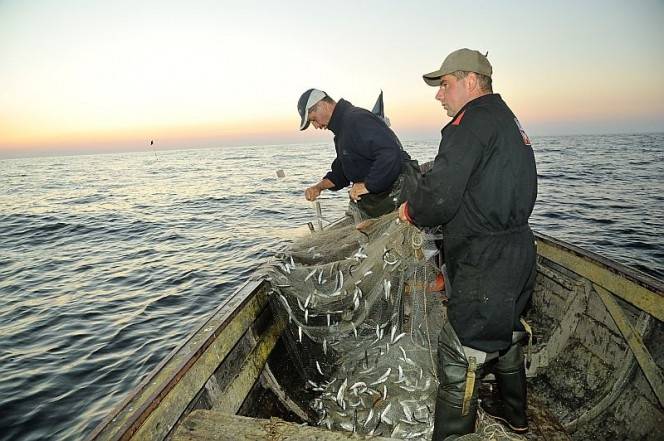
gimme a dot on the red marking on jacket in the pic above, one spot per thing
(457, 120)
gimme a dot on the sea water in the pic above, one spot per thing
(108, 262)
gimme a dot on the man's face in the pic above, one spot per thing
(319, 115)
(453, 93)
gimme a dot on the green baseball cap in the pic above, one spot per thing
(462, 59)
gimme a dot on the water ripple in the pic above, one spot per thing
(108, 262)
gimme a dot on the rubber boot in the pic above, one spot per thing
(510, 375)
(453, 418)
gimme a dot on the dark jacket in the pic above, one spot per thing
(367, 150)
(482, 189)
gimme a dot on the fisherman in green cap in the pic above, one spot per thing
(481, 189)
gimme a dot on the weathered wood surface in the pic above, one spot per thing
(648, 365)
(543, 423)
(641, 290)
(218, 426)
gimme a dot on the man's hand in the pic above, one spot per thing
(312, 193)
(357, 190)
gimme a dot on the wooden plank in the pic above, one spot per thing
(210, 343)
(638, 289)
(270, 382)
(650, 369)
(233, 396)
(205, 425)
(575, 306)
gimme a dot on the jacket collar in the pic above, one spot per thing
(338, 115)
(477, 102)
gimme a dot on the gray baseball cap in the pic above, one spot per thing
(306, 102)
(462, 59)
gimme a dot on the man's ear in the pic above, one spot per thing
(472, 81)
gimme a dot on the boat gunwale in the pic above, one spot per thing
(632, 274)
(243, 295)
(136, 417)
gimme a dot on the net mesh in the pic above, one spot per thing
(363, 324)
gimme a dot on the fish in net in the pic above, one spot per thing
(363, 320)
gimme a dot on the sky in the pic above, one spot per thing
(96, 76)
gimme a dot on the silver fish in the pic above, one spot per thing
(369, 417)
(357, 403)
(383, 414)
(285, 302)
(398, 337)
(340, 394)
(348, 426)
(406, 411)
(383, 377)
(320, 371)
(358, 384)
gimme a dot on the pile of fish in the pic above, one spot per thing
(378, 388)
(369, 377)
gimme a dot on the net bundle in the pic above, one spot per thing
(363, 324)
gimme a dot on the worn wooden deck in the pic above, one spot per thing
(207, 425)
(218, 426)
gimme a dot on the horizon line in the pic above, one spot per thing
(32, 153)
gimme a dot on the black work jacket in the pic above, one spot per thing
(367, 150)
(482, 189)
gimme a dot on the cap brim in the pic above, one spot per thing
(305, 121)
(433, 78)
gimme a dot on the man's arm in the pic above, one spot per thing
(314, 191)
(439, 192)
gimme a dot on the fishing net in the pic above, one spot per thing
(364, 315)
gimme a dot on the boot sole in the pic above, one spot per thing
(507, 423)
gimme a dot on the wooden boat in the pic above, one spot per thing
(595, 371)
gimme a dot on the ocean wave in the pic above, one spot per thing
(107, 262)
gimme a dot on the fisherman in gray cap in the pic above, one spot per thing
(369, 154)
(481, 190)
